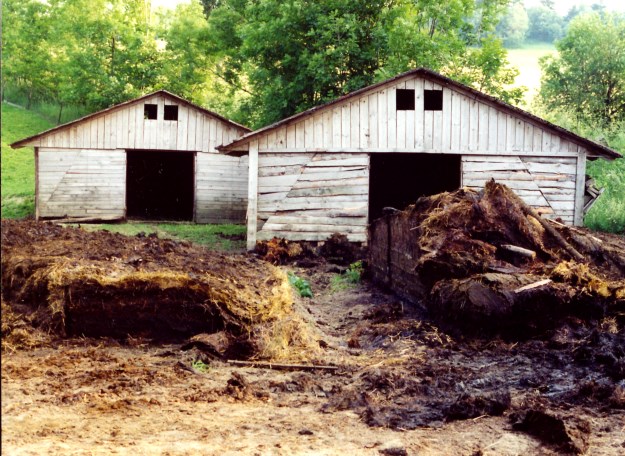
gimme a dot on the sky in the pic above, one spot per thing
(563, 6)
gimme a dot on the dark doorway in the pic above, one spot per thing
(397, 180)
(159, 185)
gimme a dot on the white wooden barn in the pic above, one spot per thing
(334, 167)
(152, 158)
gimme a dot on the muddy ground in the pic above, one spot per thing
(401, 385)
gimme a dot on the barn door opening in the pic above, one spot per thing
(397, 180)
(160, 185)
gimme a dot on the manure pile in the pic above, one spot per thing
(486, 263)
(74, 283)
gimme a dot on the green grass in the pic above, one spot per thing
(216, 237)
(18, 165)
(608, 213)
(526, 60)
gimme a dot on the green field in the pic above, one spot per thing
(526, 60)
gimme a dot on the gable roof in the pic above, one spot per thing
(25, 141)
(234, 147)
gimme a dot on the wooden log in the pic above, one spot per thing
(519, 250)
(277, 366)
(531, 286)
(87, 219)
(527, 210)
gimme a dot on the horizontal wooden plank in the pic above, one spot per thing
(330, 191)
(312, 204)
(341, 212)
(281, 160)
(362, 160)
(334, 175)
(301, 227)
(319, 220)
(357, 181)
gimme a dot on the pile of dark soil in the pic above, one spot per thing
(486, 262)
(75, 282)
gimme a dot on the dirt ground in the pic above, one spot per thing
(401, 385)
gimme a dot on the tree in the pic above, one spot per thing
(26, 57)
(296, 54)
(514, 25)
(587, 77)
(544, 24)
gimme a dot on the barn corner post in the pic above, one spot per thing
(37, 183)
(580, 188)
(252, 196)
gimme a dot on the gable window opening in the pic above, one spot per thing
(432, 100)
(150, 111)
(405, 99)
(171, 112)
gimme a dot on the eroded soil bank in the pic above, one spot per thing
(402, 385)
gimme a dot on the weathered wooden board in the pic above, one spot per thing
(71, 185)
(126, 128)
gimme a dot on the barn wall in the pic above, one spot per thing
(126, 128)
(221, 188)
(546, 183)
(310, 196)
(370, 122)
(81, 183)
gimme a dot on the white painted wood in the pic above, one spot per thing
(382, 120)
(72, 190)
(252, 196)
(373, 121)
(363, 121)
(336, 127)
(391, 116)
(418, 119)
(345, 126)
(580, 188)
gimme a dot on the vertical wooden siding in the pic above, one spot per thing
(81, 183)
(126, 128)
(370, 122)
(311, 196)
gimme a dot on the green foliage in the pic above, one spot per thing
(514, 25)
(349, 278)
(18, 165)
(354, 272)
(544, 24)
(454, 38)
(255, 62)
(91, 53)
(200, 366)
(301, 53)
(608, 213)
(302, 286)
(587, 77)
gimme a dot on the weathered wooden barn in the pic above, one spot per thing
(151, 158)
(335, 167)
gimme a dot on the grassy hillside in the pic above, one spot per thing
(18, 165)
